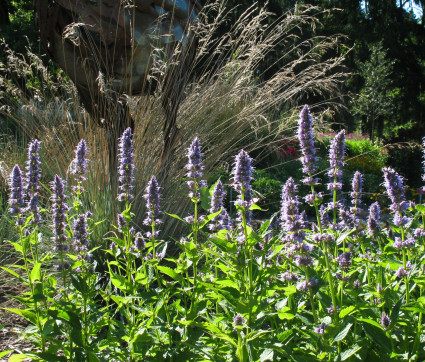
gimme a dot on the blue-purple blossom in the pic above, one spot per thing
(195, 170)
(33, 172)
(126, 166)
(401, 272)
(121, 221)
(242, 176)
(395, 190)
(337, 154)
(59, 209)
(290, 219)
(408, 243)
(320, 329)
(218, 195)
(79, 165)
(373, 223)
(344, 261)
(34, 209)
(357, 186)
(81, 238)
(238, 320)
(16, 200)
(423, 161)
(306, 138)
(385, 320)
(152, 198)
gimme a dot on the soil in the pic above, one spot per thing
(9, 334)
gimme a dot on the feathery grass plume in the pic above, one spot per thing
(242, 176)
(223, 97)
(16, 199)
(126, 166)
(373, 222)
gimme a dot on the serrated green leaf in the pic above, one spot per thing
(349, 352)
(346, 311)
(227, 283)
(267, 355)
(170, 272)
(10, 271)
(378, 336)
(343, 333)
(420, 208)
(27, 314)
(18, 357)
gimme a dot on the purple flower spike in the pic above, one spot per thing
(385, 320)
(374, 219)
(16, 200)
(80, 164)
(320, 329)
(238, 320)
(306, 138)
(242, 176)
(395, 189)
(357, 186)
(337, 153)
(195, 170)
(291, 220)
(217, 204)
(152, 198)
(423, 162)
(126, 166)
(344, 261)
(59, 209)
(80, 230)
(33, 170)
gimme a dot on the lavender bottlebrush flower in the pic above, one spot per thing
(395, 190)
(290, 219)
(195, 170)
(59, 208)
(152, 198)
(16, 200)
(357, 186)
(423, 161)
(374, 219)
(34, 209)
(238, 320)
(79, 165)
(320, 329)
(33, 173)
(126, 166)
(356, 284)
(121, 221)
(385, 320)
(344, 261)
(401, 272)
(306, 138)
(217, 204)
(81, 238)
(139, 242)
(336, 155)
(242, 176)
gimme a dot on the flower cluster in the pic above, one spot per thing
(306, 138)
(152, 198)
(242, 176)
(126, 166)
(59, 208)
(221, 221)
(16, 200)
(195, 170)
(79, 165)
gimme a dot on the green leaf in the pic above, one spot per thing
(209, 217)
(254, 335)
(378, 336)
(371, 322)
(35, 272)
(170, 272)
(349, 352)
(290, 290)
(10, 271)
(255, 207)
(285, 316)
(227, 283)
(347, 311)
(18, 357)
(420, 208)
(342, 334)
(27, 314)
(176, 217)
(4, 353)
(267, 355)
(205, 198)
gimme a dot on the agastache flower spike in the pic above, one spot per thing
(242, 176)
(357, 185)
(80, 163)
(16, 200)
(59, 209)
(126, 166)
(217, 204)
(336, 160)
(33, 170)
(291, 220)
(306, 138)
(423, 162)
(152, 203)
(195, 169)
(374, 219)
